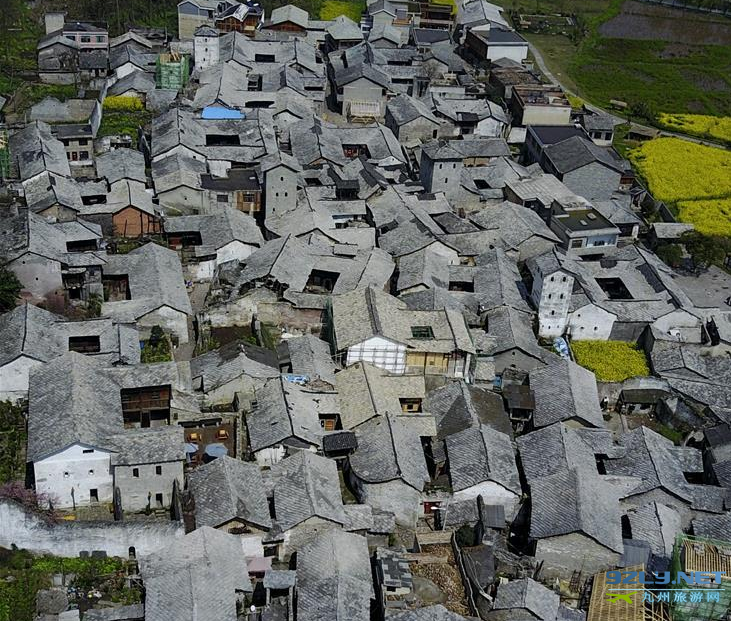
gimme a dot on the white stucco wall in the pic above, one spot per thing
(171, 320)
(77, 470)
(552, 296)
(380, 352)
(137, 492)
(493, 493)
(206, 52)
(518, 53)
(490, 127)
(591, 323)
(38, 275)
(27, 531)
(280, 190)
(183, 199)
(14, 378)
(676, 319)
(269, 456)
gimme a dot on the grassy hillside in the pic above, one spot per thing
(676, 61)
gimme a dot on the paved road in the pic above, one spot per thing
(540, 61)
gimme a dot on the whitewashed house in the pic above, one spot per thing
(551, 294)
(69, 420)
(90, 430)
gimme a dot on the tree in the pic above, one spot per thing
(642, 110)
(671, 254)
(706, 250)
(9, 289)
(12, 11)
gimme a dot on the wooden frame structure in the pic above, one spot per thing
(603, 608)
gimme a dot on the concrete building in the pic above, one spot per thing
(582, 229)
(491, 43)
(540, 105)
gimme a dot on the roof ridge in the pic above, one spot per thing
(227, 473)
(373, 311)
(25, 327)
(399, 471)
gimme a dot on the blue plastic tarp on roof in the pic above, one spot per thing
(216, 450)
(213, 113)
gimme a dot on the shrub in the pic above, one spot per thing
(611, 361)
(671, 254)
(36, 502)
(94, 306)
(9, 289)
(123, 104)
(157, 348)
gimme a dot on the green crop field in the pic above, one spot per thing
(675, 61)
(334, 8)
(669, 77)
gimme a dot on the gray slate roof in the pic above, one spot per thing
(364, 313)
(148, 446)
(195, 578)
(388, 449)
(285, 413)
(225, 364)
(334, 578)
(310, 356)
(657, 463)
(121, 164)
(556, 448)
(564, 391)
(69, 404)
(365, 391)
(217, 229)
(227, 489)
(458, 406)
(572, 501)
(37, 150)
(575, 152)
(155, 280)
(481, 454)
(307, 486)
(527, 595)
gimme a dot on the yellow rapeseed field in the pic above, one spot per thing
(678, 170)
(710, 217)
(611, 361)
(696, 179)
(123, 104)
(718, 127)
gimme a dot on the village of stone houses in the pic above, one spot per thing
(372, 316)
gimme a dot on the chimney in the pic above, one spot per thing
(54, 21)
